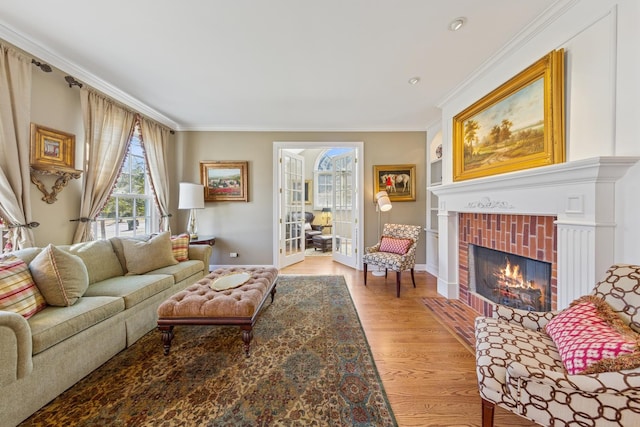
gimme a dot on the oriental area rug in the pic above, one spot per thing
(310, 365)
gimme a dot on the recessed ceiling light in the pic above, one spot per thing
(414, 80)
(457, 23)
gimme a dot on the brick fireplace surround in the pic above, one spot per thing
(563, 214)
(531, 236)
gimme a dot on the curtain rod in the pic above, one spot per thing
(71, 81)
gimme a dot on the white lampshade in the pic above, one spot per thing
(382, 198)
(191, 196)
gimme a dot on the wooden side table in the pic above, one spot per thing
(203, 240)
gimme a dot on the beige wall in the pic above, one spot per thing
(246, 228)
(55, 105)
(240, 227)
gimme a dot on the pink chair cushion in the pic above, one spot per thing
(589, 333)
(395, 245)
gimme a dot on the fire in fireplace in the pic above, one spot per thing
(510, 280)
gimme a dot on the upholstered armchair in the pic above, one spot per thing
(395, 251)
(310, 230)
(576, 367)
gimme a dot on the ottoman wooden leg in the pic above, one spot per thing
(273, 293)
(167, 336)
(247, 334)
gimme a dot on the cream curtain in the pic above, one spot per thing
(154, 140)
(108, 129)
(15, 114)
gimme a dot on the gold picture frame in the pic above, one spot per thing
(398, 180)
(52, 149)
(308, 191)
(519, 125)
(225, 180)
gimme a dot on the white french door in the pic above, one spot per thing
(345, 209)
(291, 222)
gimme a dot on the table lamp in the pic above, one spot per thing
(326, 213)
(192, 198)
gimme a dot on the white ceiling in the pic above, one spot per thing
(271, 65)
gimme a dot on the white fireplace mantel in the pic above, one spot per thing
(579, 193)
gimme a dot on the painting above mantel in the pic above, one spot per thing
(519, 125)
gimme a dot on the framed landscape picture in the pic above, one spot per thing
(519, 125)
(224, 180)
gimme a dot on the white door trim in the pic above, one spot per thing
(279, 145)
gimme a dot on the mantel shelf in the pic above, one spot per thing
(596, 169)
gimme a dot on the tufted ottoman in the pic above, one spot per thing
(199, 304)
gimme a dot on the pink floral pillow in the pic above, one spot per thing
(591, 338)
(395, 245)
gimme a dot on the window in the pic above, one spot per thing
(131, 209)
(323, 183)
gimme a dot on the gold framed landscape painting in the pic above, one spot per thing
(519, 125)
(224, 180)
(398, 180)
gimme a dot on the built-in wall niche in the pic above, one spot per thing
(508, 279)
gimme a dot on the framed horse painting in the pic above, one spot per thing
(399, 181)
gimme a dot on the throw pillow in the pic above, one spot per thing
(100, 259)
(591, 338)
(61, 276)
(180, 247)
(18, 292)
(395, 245)
(142, 257)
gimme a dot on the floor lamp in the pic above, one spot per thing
(383, 204)
(192, 198)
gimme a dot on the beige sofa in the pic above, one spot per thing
(44, 355)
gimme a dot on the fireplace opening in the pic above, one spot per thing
(509, 279)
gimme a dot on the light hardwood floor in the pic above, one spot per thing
(428, 374)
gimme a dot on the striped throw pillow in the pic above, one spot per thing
(18, 292)
(395, 245)
(180, 247)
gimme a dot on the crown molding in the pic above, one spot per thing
(549, 16)
(45, 54)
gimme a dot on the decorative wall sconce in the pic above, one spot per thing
(52, 153)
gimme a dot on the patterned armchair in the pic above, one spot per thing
(395, 251)
(520, 367)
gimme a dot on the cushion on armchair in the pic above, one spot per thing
(395, 245)
(591, 338)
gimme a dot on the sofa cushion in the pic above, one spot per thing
(99, 258)
(18, 291)
(55, 324)
(180, 247)
(588, 332)
(27, 254)
(142, 257)
(133, 289)
(116, 243)
(61, 276)
(182, 270)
